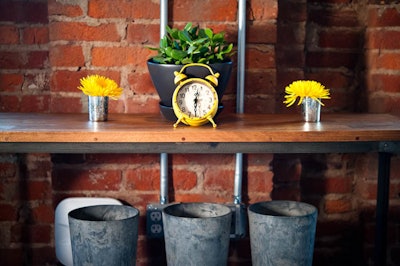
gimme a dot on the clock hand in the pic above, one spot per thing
(195, 104)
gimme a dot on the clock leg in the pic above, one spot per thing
(212, 121)
(178, 121)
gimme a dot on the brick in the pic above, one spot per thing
(35, 103)
(204, 197)
(44, 213)
(74, 31)
(143, 34)
(286, 193)
(382, 39)
(265, 33)
(261, 10)
(291, 35)
(37, 59)
(36, 190)
(260, 104)
(222, 10)
(332, 59)
(23, 233)
(140, 105)
(143, 179)
(340, 39)
(58, 56)
(79, 179)
(218, 179)
(9, 34)
(383, 17)
(9, 103)
(11, 82)
(12, 60)
(140, 83)
(258, 181)
(68, 9)
(35, 35)
(383, 82)
(13, 256)
(123, 158)
(260, 57)
(21, 11)
(331, 79)
(120, 56)
(292, 11)
(262, 159)
(107, 9)
(286, 168)
(262, 81)
(338, 206)
(378, 60)
(334, 17)
(378, 103)
(290, 58)
(184, 179)
(320, 186)
(8, 170)
(68, 81)
(7, 211)
(65, 105)
(124, 9)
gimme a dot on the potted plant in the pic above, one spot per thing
(179, 47)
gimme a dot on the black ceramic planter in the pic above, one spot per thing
(163, 76)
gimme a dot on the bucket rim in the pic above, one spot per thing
(166, 211)
(72, 213)
(312, 209)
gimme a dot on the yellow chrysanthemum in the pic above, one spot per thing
(95, 85)
(305, 88)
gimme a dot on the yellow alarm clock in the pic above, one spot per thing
(195, 100)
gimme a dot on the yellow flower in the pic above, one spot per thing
(95, 85)
(305, 88)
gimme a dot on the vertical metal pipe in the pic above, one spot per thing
(237, 196)
(163, 156)
(163, 178)
(163, 17)
(241, 56)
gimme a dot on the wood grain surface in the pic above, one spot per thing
(145, 128)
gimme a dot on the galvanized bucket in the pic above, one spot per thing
(311, 110)
(197, 234)
(98, 108)
(104, 235)
(282, 233)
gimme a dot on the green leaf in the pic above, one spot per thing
(219, 37)
(184, 36)
(186, 61)
(188, 26)
(209, 33)
(228, 49)
(178, 54)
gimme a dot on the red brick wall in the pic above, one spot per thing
(47, 46)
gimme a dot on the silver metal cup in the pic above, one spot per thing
(98, 108)
(311, 110)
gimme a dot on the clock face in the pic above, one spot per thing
(195, 99)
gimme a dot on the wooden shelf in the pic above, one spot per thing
(134, 128)
(149, 133)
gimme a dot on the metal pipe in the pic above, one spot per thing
(241, 56)
(237, 196)
(163, 178)
(163, 17)
(163, 156)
